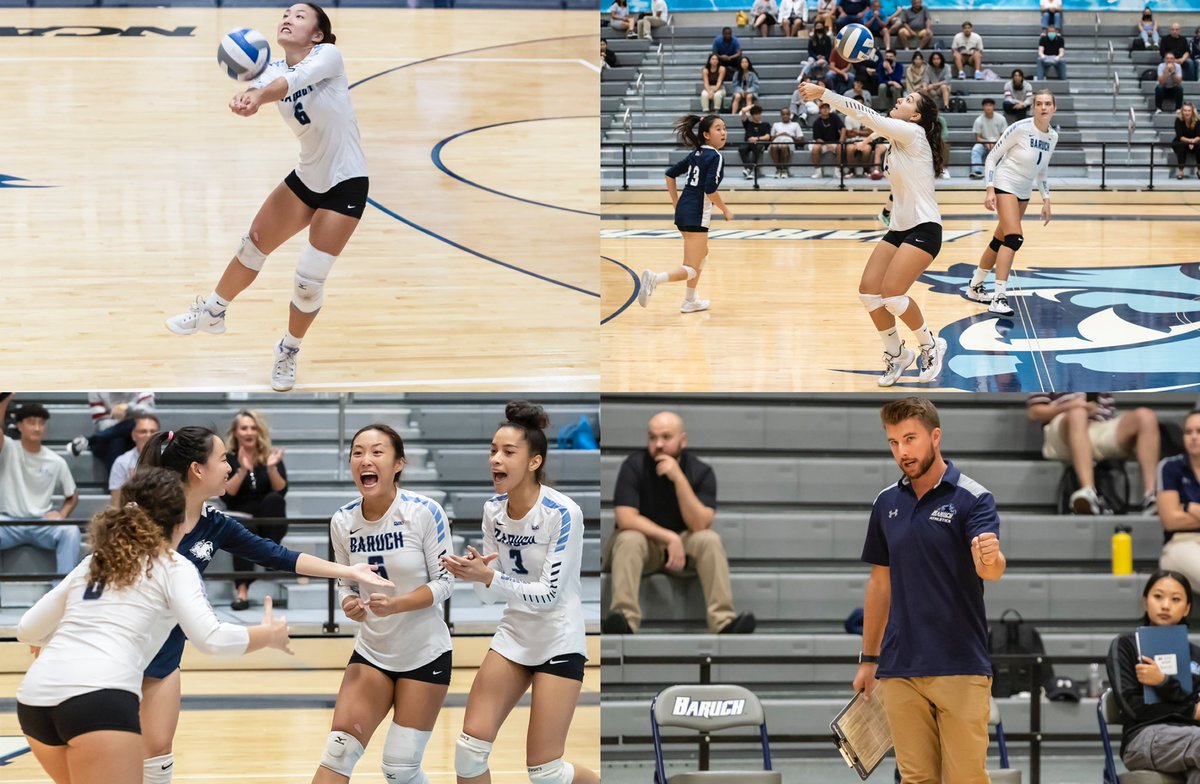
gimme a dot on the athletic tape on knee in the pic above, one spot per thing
(872, 302)
(1014, 241)
(471, 756)
(158, 770)
(250, 256)
(311, 273)
(995, 244)
(342, 752)
(556, 772)
(692, 272)
(402, 753)
(896, 305)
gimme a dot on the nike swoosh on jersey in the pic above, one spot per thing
(353, 531)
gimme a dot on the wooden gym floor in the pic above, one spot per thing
(1107, 296)
(472, 269)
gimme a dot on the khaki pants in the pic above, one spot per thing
(634, 555)
(718, 100)
(940, 727)
(647, 24)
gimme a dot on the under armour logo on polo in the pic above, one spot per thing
(893, 513)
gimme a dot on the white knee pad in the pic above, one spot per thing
(692, 272)
(311, 273)
(556, 772)
(158, 770)
(471, 756)
(402, 753)
(250, 256)
(896, 305)
(872, 302)
(342, 752)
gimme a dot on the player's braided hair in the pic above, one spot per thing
(126, 539)
(690, 129)
(531, 420)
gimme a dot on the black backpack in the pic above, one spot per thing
(1007, 636)
(958, 105)
(1112, 485)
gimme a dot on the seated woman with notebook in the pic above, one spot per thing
(1162, 718)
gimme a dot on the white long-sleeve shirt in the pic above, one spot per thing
(318, 110)
(93, 637)
(407, 543)
(1019, 160)
(908, 166)
(101, 405)
(538, 564)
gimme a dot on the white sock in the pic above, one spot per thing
(290, 340)
(158, 770)
(1000, 285)
(979, 277)
(661, 277)
(214, 304)
(924, 336)
(689, 295)
(891, 341)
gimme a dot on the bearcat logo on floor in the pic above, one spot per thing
(89, 31)
(705, 709)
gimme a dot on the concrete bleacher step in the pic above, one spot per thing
(464, 423)
(562, 465)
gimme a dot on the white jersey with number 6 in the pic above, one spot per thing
(407, 544)
(94, 637)
(537, 568)
(318, 110)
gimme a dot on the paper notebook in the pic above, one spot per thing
(862, 734)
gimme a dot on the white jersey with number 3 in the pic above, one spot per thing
(407, 544)
(1019, 160)
(318, 110)
(538, 562)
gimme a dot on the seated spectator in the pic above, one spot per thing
(1082, 428)
(1194, 53)
(665, 503)
(880, 147)
(659, 15)
(828, 134)
(858, 147)
(618, 18)
(1187, 140)
(745, 85)
(913, 22)
(1179, 503)
(987, 128)
(256, 486)
(1164, 735)
(1176, 44)
(877, 22)
(793, 16)
(825, 14)
(757, 136)
(858, 92)
(785, 135)
(849, 12)
(1170, 83)
(867, 72)
(820, 45)
(838, 77)
(937, 78)
(968, 50)
(1052, 53)
(144, 426)
(113, 420)
(764, 14)
(1148, 29)
(1018, 96)
(891, 81)
(727, 48)
(712, 91)
(1051, 14)
(608, 58)
(29, 473)
(916, 75)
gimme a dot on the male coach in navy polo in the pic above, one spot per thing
(932, 540)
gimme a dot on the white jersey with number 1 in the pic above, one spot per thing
(1019, 160)
(538, 562)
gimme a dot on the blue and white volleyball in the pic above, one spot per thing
(855, 43)
(244, 53)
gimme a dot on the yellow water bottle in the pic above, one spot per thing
(1122, 551)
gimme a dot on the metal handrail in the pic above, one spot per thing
(662, 70)
(1116, 88)
(1129, 142)
(1110, 59)
(627, 123)
(671, 27)
(640, 88)
(1095, 34)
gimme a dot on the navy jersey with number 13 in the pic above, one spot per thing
(704, 169)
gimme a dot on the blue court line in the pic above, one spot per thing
(7, 758)
(447, 240)
(637, 287)
(437, 161)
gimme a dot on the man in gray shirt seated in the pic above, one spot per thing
(988, 128)
(913, 22)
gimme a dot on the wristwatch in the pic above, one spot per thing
(865, 659)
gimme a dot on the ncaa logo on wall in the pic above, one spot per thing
(1110, 328)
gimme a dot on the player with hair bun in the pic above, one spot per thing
(530, 558)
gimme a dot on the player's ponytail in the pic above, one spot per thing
(927, 107)
(531, 420)
(176, 450)
(126, 539)
(690, 129)
(323, 24)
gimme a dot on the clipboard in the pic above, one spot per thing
(862, 733)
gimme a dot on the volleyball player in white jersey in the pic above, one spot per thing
(326, 192)
(100, 626)
(401, 657)
(532, 548)
(1015, 165)
(915, 236)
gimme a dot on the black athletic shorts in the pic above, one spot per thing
(437, 671)
(569, 665)
(105, 709)
(349, 197)
(685, 229)
(1010, 193)
(926, 236)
